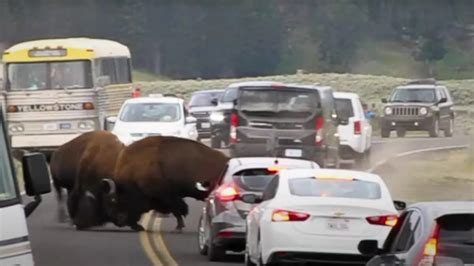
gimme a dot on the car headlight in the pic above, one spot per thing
(388, 111)
(87, 124)
(16, 128)
(423, 111)
(217, 117)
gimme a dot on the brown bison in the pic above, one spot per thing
(79, 166)
(157, 173)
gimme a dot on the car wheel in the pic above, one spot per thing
(448, 132)
(434, 131)
(215, 143)
(401, 132)
(385, 133)
(214, 252)
(202, 239)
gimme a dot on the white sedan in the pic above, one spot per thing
(318, 216)
(153, 116)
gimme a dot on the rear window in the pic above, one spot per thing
(253, 179)
(334, 188)
(456, 237)
(344, 108)
(278, 101)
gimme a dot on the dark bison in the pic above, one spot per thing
(156, 173)
(79, 166)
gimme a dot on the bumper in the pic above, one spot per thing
(254, 149)
(411, 123)
(228, 229)
(279, 239)
(41, 141)
(352, 145)
(203, 127)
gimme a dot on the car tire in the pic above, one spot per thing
(448, 132)
(434, 130)
(214, 252)
(202, 241)
(215, 143)
(401, 132)
(385, 133)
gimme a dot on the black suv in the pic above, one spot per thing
(201, 105)
(419, 105)
(285, 120)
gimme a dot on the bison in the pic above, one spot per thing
(79, 166)
(156, 173)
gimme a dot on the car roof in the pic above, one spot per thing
(274, 83)
(242, 163)
(418, 86)
(435, 209)
(299, 173)
(209, 91)
(155, 100)
(346, 95)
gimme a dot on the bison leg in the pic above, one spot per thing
(179, 211)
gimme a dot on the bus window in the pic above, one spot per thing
(118, 69)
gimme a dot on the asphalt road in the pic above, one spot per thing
(59, 244)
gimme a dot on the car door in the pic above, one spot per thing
(256, 215)
(366, 127)
(444, 108)
(400, 248)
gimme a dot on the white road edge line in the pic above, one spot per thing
(382, 162)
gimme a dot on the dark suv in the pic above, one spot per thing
(201, 105)
(285, 120)
(420, 105)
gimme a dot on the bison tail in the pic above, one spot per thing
(58, 189)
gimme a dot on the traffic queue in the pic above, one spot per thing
(278, 199)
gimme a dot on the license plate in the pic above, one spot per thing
(338, 225)
(50, 127)
(205, 125)
(65, 126)
(293, 153)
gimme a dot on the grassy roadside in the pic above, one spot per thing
(447, 175)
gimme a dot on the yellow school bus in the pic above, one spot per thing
(55, 89)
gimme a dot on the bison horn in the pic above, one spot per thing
(201, 187)
(110, 185)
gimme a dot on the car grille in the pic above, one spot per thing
(406, 111)
(200, 114)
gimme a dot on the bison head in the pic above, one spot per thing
(123, 203)
(85, 209)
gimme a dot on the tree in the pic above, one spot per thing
(429, 51)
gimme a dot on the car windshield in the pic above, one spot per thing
(344, 108)
(414, 95)
(253, 179)
(334, 188)
(7, 187)
(202, 99)
(268, 101)
(151, 112)
(49, 75)
(456, 237)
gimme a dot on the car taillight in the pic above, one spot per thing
(388, 220)
(227, 192)
(234, 122)
(288, 216)
(357, 127)
(319, 130)
(430, 250)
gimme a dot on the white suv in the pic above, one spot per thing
(153, 116)
(355, 132)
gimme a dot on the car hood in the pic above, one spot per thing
(148, 127)
(410, 104)
(202, 109)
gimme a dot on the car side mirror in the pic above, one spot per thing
(191, 120)
(36, 177)
(214, 101)
(103, 81)
(384, 100)
(251, 198)
(443, 100)
(110, 122)
(399, 205)
(369, 247)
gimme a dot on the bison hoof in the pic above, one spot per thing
(137, 228)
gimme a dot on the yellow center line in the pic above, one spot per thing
(166, 257)
(146, 242)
